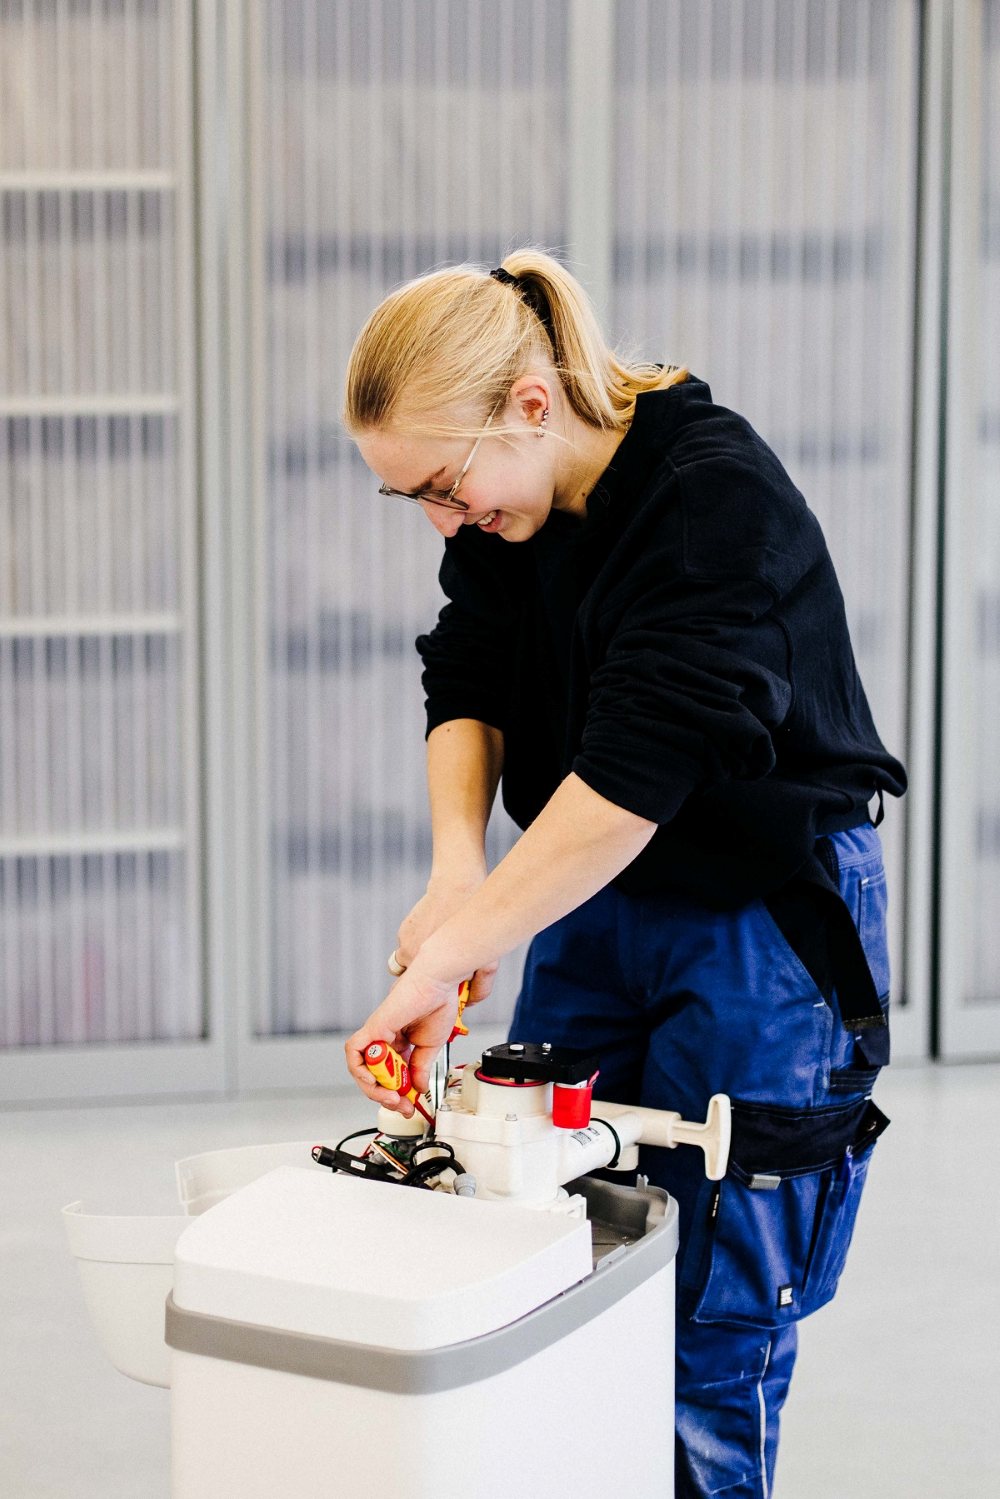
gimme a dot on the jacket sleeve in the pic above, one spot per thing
(692, 679)
(468, 656)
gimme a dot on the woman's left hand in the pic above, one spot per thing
(416, 1018)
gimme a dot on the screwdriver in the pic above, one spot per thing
(388, 1068)
(460, 1028)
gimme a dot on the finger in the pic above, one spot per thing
(372, 1089)
(421, 1065)
(482, 985)
(354, 1050)
(383, 1097)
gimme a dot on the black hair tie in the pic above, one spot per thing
(532, 296)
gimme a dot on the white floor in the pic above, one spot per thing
(896, 1392)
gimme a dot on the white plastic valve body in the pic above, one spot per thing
(504, 1136)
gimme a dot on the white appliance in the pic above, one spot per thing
(331, 1336)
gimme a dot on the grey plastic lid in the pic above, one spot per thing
(429, 1372)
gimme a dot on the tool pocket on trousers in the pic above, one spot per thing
(780, 1222)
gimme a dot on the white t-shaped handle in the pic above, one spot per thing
(665, 1128)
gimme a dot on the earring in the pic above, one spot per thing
(541, 424)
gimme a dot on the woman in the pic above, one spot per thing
(646, 641)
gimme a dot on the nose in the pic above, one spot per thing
(445, 521)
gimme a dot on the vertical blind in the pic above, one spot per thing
(763, 192)
(764, 188)
(980, 540)
(393, 134)
(98, 940)
(765, 203)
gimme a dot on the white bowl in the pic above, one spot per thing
(127, 1268)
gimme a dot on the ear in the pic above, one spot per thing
(531, 396)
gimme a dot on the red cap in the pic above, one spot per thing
(571, 1105)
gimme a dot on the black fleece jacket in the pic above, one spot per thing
(684, 650)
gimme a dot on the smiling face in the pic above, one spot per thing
(510, 485)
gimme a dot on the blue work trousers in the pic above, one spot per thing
(680, 1002)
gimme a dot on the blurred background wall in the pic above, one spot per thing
(211, 734)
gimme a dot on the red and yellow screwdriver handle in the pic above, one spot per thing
(388, 1068)
(460, 1028)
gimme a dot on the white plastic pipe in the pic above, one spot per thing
(663, 1127)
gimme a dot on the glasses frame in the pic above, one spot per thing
(450, 500)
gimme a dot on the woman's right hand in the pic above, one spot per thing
(445, 894)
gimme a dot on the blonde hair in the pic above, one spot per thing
(462, 335)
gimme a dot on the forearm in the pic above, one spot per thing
(578, 843)
(464, 761)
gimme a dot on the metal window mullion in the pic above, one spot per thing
(920, 981)
(964, 1031)
(178, 248)
(222, 746)
(898, 182)
(282, 678)
(254, 367)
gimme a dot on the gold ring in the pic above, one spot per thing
(394, 966)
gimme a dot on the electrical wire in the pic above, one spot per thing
(356, 1136)
(421, 1171)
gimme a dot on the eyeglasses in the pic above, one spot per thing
(449, 500)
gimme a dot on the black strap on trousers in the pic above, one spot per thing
(814, 920)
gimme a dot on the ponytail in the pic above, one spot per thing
(600, 387)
